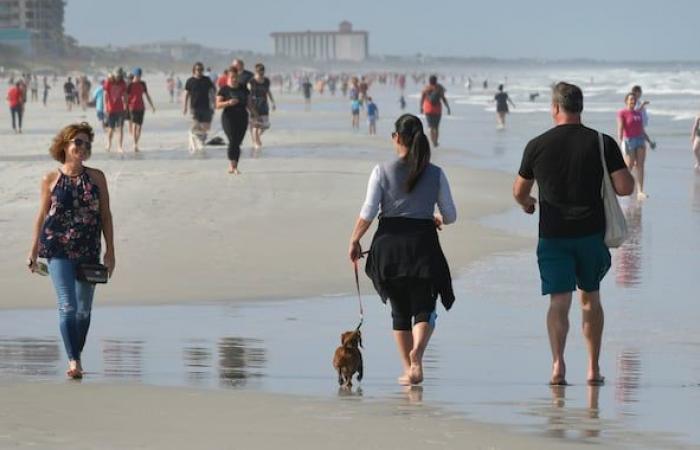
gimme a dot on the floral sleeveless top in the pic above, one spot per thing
(73, 228)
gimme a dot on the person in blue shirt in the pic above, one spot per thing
(99, 98)
(355, 108)
(372, 116)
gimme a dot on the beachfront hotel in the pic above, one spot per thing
(32, 25)
(342, 45)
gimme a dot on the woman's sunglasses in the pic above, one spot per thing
(87, 145)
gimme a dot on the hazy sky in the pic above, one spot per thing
(601, 29)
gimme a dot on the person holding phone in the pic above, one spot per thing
(73, 216)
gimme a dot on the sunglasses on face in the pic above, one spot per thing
(394, 134)
(87, 145)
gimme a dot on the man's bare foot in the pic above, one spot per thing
(234, 171)
(120, 149)
(596, 380)
(558, 375)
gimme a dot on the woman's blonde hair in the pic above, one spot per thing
(68, 133)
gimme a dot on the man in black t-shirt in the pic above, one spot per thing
(199, 93)
(244, 76)
(566, 163)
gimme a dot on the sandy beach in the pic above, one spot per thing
(186, 231)
(190, 236)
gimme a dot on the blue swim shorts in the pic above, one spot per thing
(566, 263)
(632, 144)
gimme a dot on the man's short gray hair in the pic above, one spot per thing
(568, 96)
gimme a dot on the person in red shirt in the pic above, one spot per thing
(137, 109)
(222, 80)
(15, 99)
(115, 106)
(431, 100)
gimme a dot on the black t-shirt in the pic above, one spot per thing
(501, 101)
(244, 78)
(565, 162)
(228, 93)
(199, 89)
(306, 86)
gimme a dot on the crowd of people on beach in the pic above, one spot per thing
(405, 260)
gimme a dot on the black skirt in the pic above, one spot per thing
(410, 248)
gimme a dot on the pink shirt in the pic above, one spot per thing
(632, 123)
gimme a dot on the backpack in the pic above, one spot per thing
(434, 97)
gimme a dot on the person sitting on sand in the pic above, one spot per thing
(566, 163)
(73, 215)
(405, 261)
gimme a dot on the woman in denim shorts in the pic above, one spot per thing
(633, 138)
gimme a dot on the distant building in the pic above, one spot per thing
(342, 45)
(177, 50)
(32, 25)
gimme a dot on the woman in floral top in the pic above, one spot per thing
(73, 215)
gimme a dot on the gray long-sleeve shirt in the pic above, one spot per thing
(386, 194)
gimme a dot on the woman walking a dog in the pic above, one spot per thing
(405, 261)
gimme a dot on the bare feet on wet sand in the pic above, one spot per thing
(558, 375)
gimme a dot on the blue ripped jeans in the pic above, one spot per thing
(74, 305)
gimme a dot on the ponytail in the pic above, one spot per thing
(410, 128)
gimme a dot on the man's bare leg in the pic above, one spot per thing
(137, 136)
(404, 343)
(121, 138)
(110, 134)
(434, 136)
(558, 328)
(593, 321)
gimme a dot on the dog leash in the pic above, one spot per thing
(359, 295)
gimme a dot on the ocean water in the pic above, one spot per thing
(489, 359)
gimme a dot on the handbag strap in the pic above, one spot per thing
(601, 146)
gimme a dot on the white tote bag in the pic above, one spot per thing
(615, 223)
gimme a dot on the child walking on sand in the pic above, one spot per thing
(372, 116)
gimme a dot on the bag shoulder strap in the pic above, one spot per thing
(601, 146)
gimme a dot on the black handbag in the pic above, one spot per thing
(92, 273)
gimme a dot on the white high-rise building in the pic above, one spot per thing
(342, 45)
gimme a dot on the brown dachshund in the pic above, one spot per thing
(348, 359)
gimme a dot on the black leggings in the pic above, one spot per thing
(412, 301)
(235, 125)
(18, 111)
